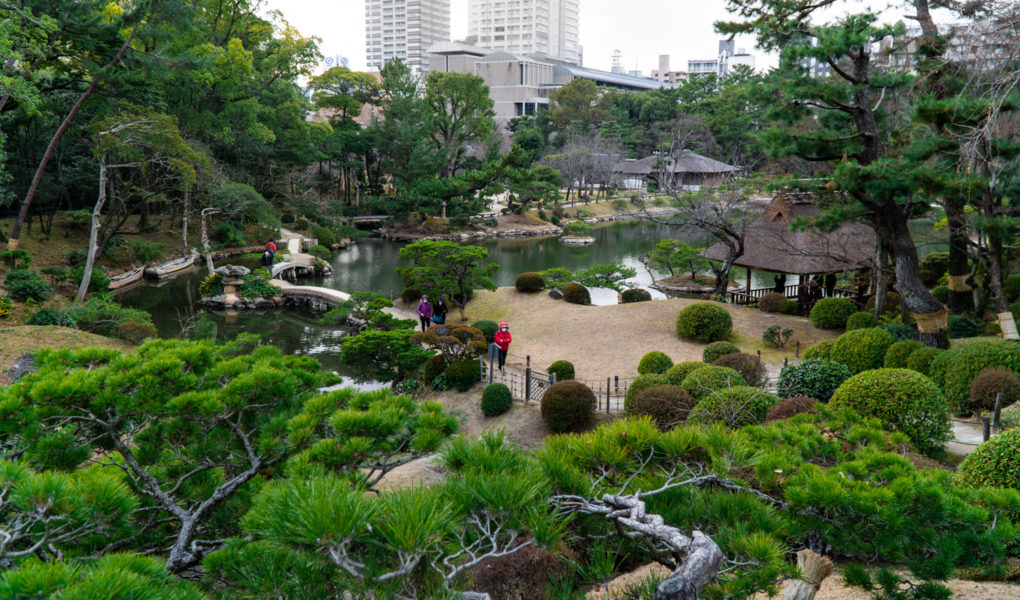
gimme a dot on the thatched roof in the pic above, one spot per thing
(685, 162)
(770, 244)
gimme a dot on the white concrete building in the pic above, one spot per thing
(527, 26)
(404, 29)
(728, 58)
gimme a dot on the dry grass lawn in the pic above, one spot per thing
(605, 341)
(15, 341)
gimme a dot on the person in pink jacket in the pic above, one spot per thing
(503, 339)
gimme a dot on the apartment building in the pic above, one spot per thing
(404, 29)
(526, 27)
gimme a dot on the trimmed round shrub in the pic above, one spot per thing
(962, 327)
(941, 293)
(862, 349)
(654, 362)
(488, 329)
(822, 349)
(750, 367)
(713, 351)
(861, 320)
(903, 400)
(892, 303)
(640, 384)
(24, 285)
(788, 407)
(676, 374)
(995, 463)
(135, 332)
(496, 399)
(564, 370)
(920, 360)
(962, 365)
(411, 295)
(1011, 287)
(51, 316)
(900, 331)
(635, 295)
(575, 293)
(772, 302)
(832, 313)
(898, 354)
(816, 378)
(702, 382)
(667, 405)
(568, 406)
(434, 367)
(735, 406)
(463, 374)
(529, 283)
(990, 383)
(704, 321)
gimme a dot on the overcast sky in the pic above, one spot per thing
(640, 29)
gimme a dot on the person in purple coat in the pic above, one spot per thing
(425, 312)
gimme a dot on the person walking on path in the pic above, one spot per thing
(424, 312)
(502, 339)
(439, 310)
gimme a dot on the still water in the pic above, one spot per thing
(369, 265)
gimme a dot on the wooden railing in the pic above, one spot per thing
(744, 297)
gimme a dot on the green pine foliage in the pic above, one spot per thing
(704, 322)
(24, 285)
(904, 401)
(654, 362)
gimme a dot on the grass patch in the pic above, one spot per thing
(23, 339)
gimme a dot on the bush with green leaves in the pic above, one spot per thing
(666, 405)
(861, 320)
(832, 313)
(962, 327)
(145, 251)
(575, 293)
(433, 368)
(750, 367)
(941, 293)
(862, 349)
(816, 378)
(24, 285)
(383, 355)
(892, 303)
(713, 351)
(920, 360)
(933, 267)
(1011, 286)
(702, 382)
(995, 463)
(777, 335)
(136, 332)
(496, 399)
(900, 331)
(99, 281)
(640, 384)
(568, 406)
(51, 316)
(256, 285)
(463, 374)
(898, 354)
(904, 401)
(822, 349)
(704, 322)
(676, 374)
(324, 235)
(529, 282)
(321, 252)
(488, 329)
(13, 257)
(635, 295)
(736, 406)
(789, 407)
(991, 382)
(654, 362)
(365, 309)
(772, 302)
(6, 306)
(411, 295)
(563, 369)
(103, 316)
(578, 229)
(962, 365)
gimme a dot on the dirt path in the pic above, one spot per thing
(605, 341)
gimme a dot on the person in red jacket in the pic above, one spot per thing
(502, 339)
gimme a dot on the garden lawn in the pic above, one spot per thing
(24, 339)
(604, 341)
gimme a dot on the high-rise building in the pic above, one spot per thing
(720, 66)
(527, 26)
(404, 29)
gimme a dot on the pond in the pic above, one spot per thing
(370, 265)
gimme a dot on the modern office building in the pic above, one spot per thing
(526, 27)
(404, 29)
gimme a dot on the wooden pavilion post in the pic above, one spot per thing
(748, 281)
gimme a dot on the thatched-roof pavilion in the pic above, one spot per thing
(686, 168)
(771, 245)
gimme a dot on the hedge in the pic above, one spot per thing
(816, 378)
(706, 380)
(713, 351)
(995, 463)
(900, 331)
(832, 313)
(904, 400)
(964, 364)
(704, 321)
(897, 355)
(920, 360)
(822, 349)
(892, 303)
(654, 362)
(862, 349)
